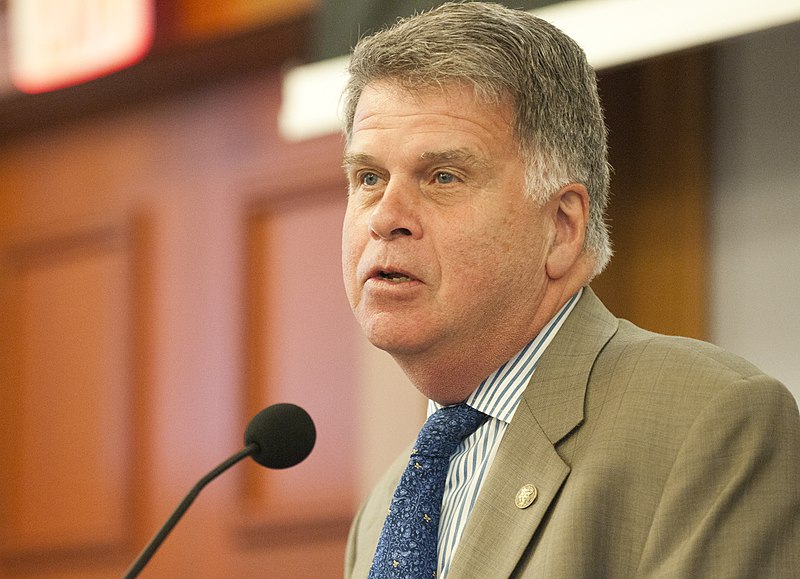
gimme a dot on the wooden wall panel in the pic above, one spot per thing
(301, 349)
(659, 122)
(70, 462)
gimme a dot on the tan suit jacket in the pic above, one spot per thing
(653, 456)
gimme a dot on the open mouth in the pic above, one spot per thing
(394, 276)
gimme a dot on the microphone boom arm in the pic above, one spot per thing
(137, 566)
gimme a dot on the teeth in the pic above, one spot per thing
(395, 277)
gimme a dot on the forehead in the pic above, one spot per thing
(431, 96)
(445, 112)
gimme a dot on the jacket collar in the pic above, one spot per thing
(498, 532)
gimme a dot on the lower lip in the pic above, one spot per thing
(383, 283)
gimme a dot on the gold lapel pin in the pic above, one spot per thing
(525, 496)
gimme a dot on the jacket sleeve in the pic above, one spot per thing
(730, 506)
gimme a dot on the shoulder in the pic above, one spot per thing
(665, 393)
(367, 525)
(375, 504)
(634, 355)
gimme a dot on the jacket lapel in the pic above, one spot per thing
(498, 532)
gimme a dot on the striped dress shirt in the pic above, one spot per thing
(497, 396)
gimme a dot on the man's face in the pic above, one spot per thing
(442, 251)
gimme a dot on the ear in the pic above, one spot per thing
(570, 212)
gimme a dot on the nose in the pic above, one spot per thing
(395, 215)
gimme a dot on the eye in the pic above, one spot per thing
(444, 178)
(369, 179)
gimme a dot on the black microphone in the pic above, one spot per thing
(280, 436)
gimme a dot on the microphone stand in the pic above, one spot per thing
(137, 566)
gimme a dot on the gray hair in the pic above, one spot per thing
(505, 53)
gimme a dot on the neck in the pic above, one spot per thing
(450, 375)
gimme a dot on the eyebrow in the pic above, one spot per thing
(463, 156)
(351, 159)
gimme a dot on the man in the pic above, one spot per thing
(476, 160)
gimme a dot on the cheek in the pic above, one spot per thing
(355, 239)
(350, 255)
(349, 268)
(506, 254)
(475, 262)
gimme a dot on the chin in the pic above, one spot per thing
(396, 346)
(396, 342)
(395, 333)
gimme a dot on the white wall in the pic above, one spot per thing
(755, 208)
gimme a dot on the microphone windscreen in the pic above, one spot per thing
(284, 433)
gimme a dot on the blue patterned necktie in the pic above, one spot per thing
(408, 544)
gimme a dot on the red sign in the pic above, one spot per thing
(58, 43)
